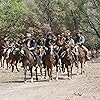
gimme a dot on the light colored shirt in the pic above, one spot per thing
(81, 39)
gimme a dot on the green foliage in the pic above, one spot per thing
(18, 15)
(15, 18)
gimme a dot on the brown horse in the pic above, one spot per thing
(13, 58)
(81, 59)
(49, 61)
(3, 49)
(40, 52)
(68, 61)
(28, 60)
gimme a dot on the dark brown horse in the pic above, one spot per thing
(13, 58)
(28, 60)
(68, 61)
(49, 61)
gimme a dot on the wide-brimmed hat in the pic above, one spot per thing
(68, 34)
(58, 36)
(29, 34)
(63, 34)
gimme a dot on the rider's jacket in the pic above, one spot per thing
(80, 39)
(48, 42)
(40, 42)
(31, 43)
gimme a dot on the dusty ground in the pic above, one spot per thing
(82, 87)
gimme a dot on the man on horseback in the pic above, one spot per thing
(4, 42)
(31, 44)
(4, 45)
(71, 44)
(69, 40)
(80, 40)
(60, 43)
(48, 41)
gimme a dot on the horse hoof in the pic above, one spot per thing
(56, 79)
(49, 80)
(83, 71)
(52, 79)
(63, 72)
(69, 78)
(37, 79)
(32, 80)
(17, 70)
(77, 74)
(41, 77)
(25, 82)
(45, 78)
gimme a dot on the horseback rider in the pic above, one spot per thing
(80, 40)
(48, 41)
(51, 40)
(31, 44)
(4, 42)
(59, 43)
(69, 40)
(71, 43)
(40, 40)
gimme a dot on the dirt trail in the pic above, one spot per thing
(82, 87)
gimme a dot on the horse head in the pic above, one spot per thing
(51, 49)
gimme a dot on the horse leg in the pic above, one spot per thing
(63, 68)
(77, 66)
(84, 64)
(60, 65)
(56, 72)
(3, 60)
(7, 63)
(51, 74)
(40, 65)
(45, 77)
(0, 61)
(25, 71)
(48, 72)
(45, 70)
(71, 67)
(67, 71)
(30, 68)
(41, 71)
(12, 67)
(77, 63)
(16, 66)
(81, 67)
(36, 74)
